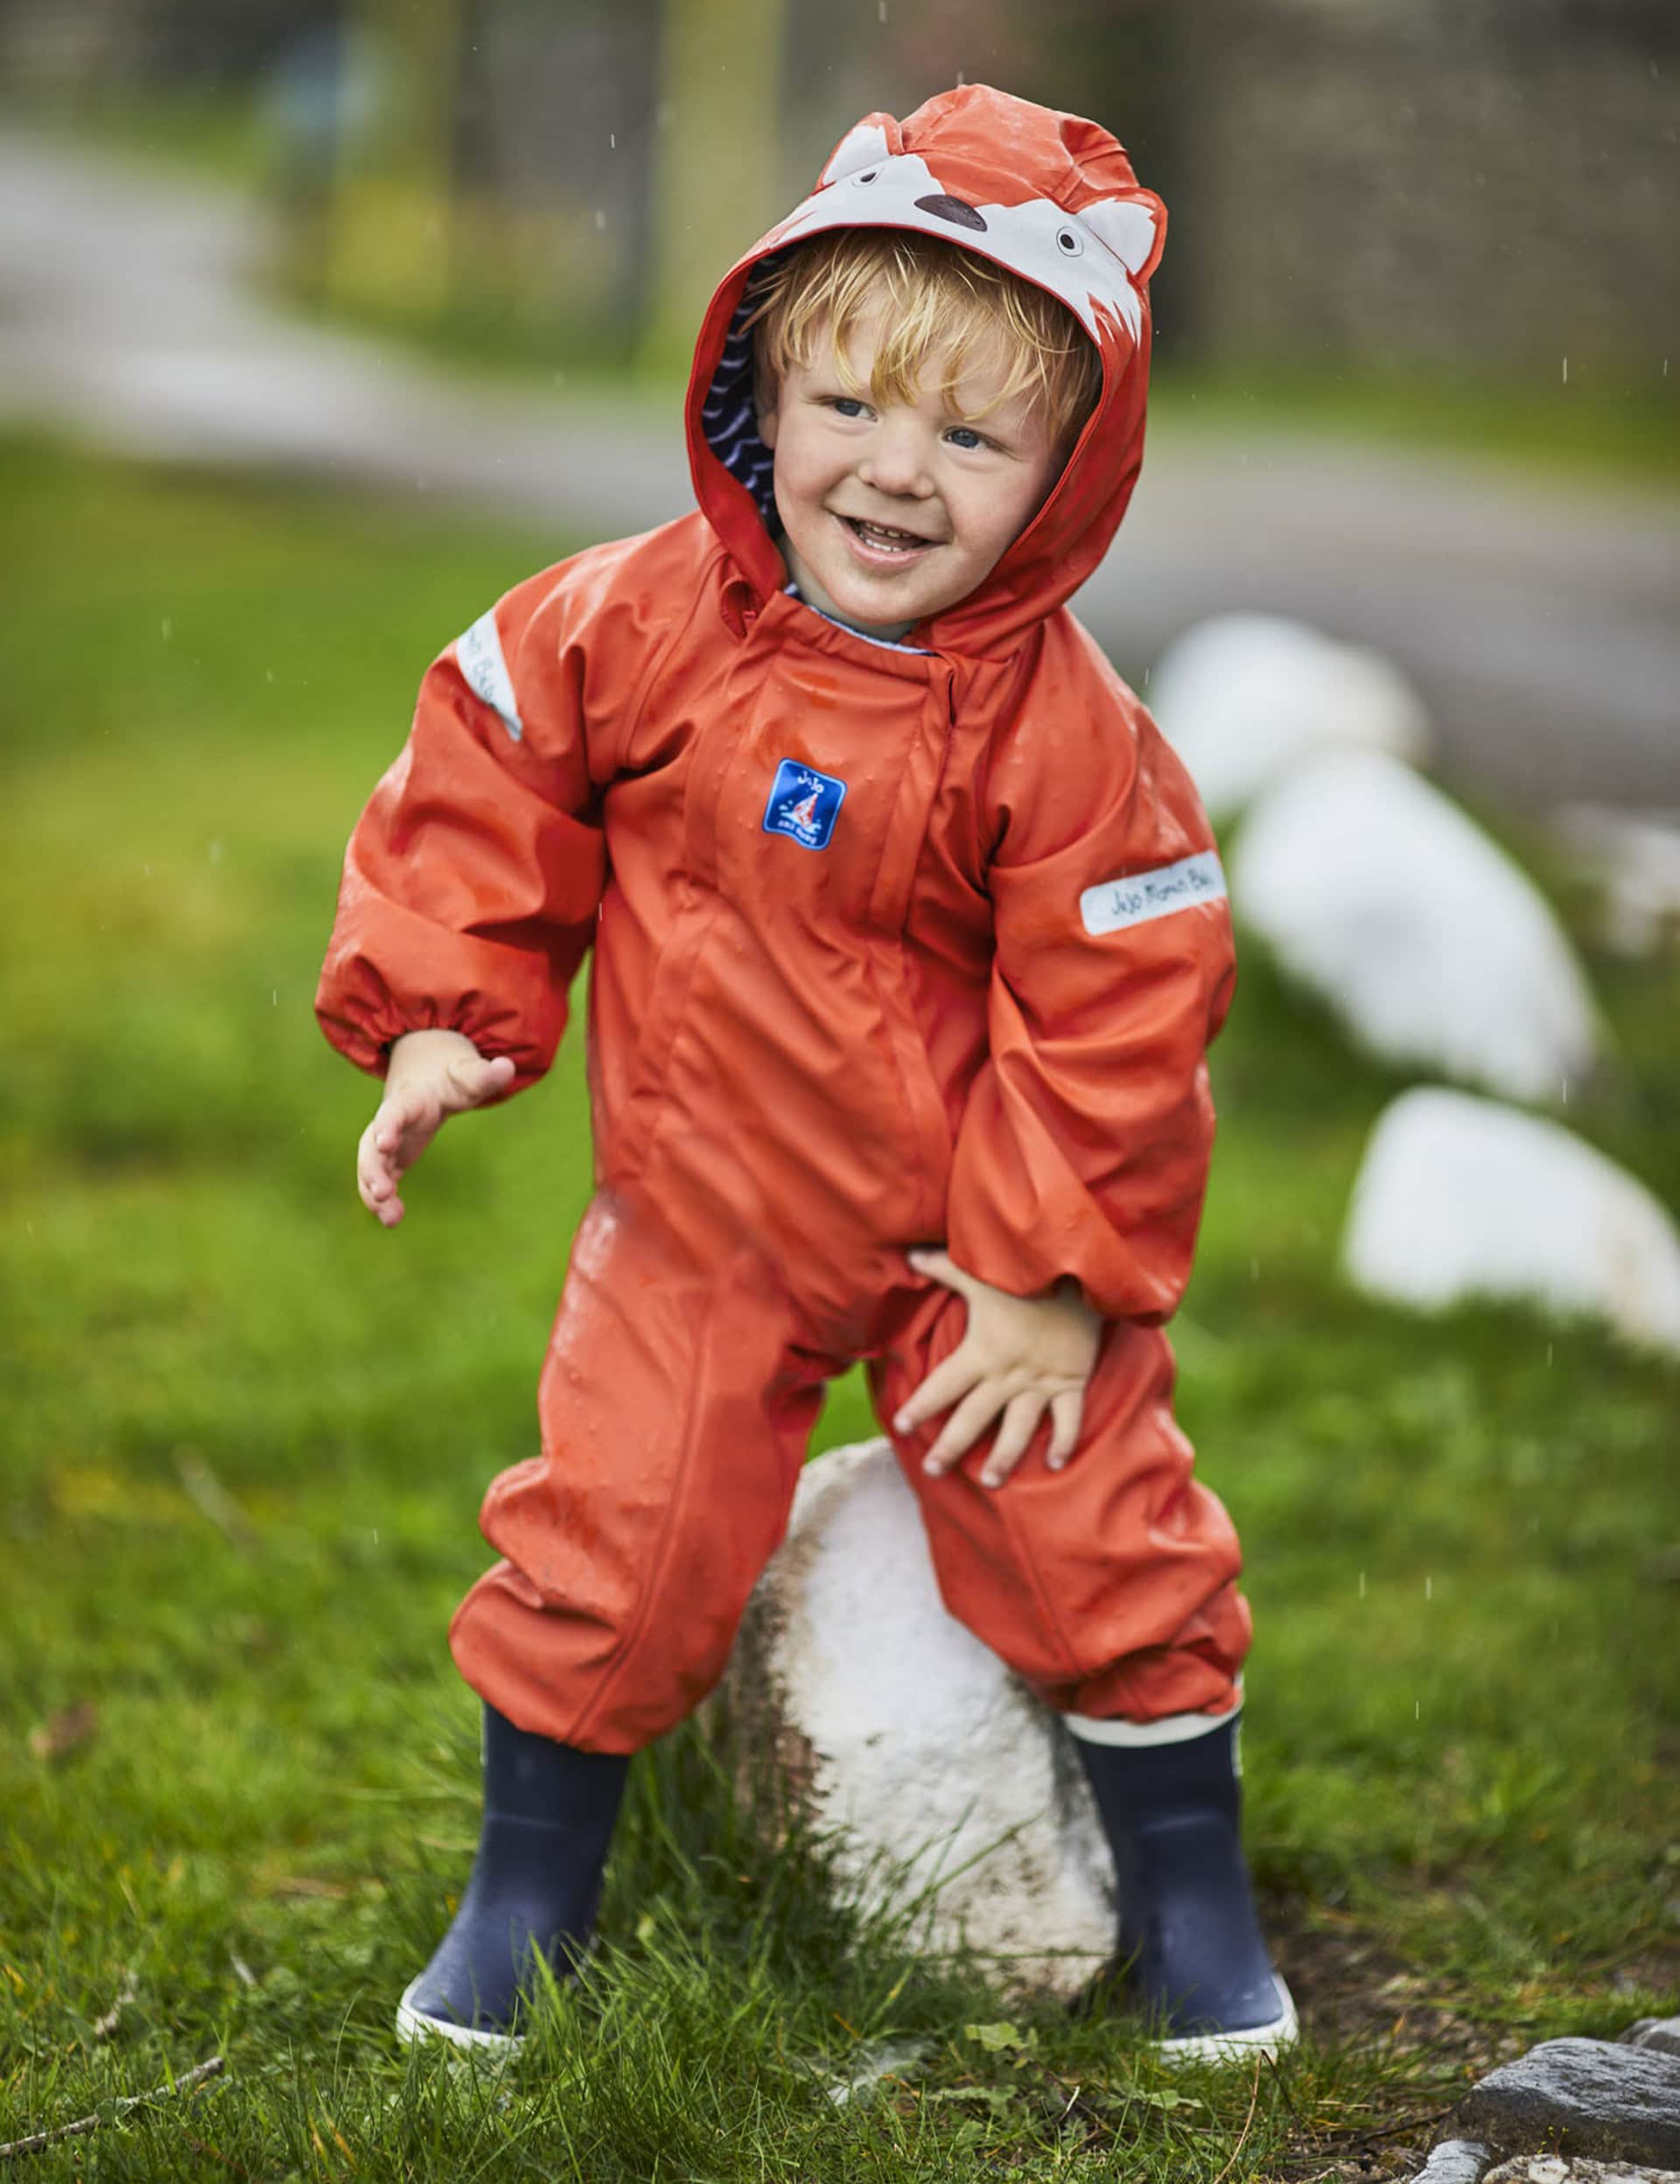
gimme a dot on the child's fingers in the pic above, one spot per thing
(376, 1188)
(963, 1428)
(396, 1114)
(938, 1392)
(1067, 1416)
(938, 1265)
(1020, 1422)
(379, 1164)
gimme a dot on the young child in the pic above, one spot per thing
(909, 940)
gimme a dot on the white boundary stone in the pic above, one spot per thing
(894, 1726)
(1431, 946)
(1243, 697)
(1460, 1197)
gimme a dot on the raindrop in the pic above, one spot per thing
(274, 996)
(612, 140)
(881, 10)
(962, 76)
(1429, 1588)
(167, 627)
(1362, 1584)
(600, 220)
(1566, 371)
(1563, 1091)
(146, 868)
(269, 672)
(1416, 1709)
(1549, 1351)
(1254, 1270)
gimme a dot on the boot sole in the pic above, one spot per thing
(413, 2027)
(1237, 2046)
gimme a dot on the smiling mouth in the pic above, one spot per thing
(885, 537)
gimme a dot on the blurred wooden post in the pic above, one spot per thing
(717, 178)
(388, 231)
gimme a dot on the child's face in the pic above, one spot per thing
(895, 511)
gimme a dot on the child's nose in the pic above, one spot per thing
(896, 461)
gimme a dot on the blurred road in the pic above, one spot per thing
(1536, 617)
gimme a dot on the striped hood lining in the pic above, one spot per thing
(729, 415)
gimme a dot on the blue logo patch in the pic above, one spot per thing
(803, 804)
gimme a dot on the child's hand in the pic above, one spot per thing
(433, 1075)
(1019, 1355)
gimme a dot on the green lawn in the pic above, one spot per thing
(245, 1432)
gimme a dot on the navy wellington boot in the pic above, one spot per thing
(549, 1811)
(1190, 1950)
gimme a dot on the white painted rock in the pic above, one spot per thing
(1461, 1197)
(895, 1726)
(1633, 859)
(1375, 889)
(1242, 698)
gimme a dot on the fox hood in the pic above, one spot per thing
(1047, 196)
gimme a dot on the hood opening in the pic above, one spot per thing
(1063, 210)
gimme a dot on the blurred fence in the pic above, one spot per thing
(1410, 183)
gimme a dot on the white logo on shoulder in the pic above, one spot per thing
(484, 669)
(1119, 903)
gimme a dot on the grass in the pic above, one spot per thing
(245, 1432)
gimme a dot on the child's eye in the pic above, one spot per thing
(846, 405)
(965, 436)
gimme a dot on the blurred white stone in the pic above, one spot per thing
(1429, 944)
(1634, 862)
(1460, 1197)
(1244, 696)
(894, 1726)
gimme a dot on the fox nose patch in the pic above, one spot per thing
(954, 210)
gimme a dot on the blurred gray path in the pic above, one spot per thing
(1537, 618)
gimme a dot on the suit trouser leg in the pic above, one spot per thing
(675, 1409)
(1109, 1586)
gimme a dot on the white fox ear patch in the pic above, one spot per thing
(1095, 260)
(1130, 230)
(864, 146)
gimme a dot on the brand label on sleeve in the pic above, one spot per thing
(1117, 903)
(485, 671)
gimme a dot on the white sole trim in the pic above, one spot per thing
(1171, 1729)
(1258, 2040)
(414, 2026)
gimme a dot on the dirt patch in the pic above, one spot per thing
(1353, 1991)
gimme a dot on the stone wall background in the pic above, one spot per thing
(1480, 189)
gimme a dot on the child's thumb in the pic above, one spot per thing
(492, 1077)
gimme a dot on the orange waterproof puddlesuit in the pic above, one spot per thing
(892, 944)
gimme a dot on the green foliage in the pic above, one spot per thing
(245, 1431)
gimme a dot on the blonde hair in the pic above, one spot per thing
(936, 299)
